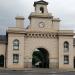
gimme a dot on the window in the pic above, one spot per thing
(41, 9)
(66, 46)
(66, 59)
(15, 58)
(16, 44)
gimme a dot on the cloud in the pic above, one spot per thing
(65, 10)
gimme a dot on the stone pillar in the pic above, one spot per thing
(20, 22)
(28, 63)
(53, 63)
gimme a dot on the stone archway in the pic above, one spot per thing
(40, 58)
(1, 60)
(74, 62)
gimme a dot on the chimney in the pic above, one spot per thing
(19, 21)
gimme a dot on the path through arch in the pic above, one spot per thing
(40, 58)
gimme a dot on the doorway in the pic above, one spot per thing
(2, 61)
(40, 58)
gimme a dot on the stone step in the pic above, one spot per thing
(34, 70)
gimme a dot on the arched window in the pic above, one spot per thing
(66, 46)
(41, 9)
(16, 44)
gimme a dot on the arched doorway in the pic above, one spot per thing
(74, 62)
(2, 61)
(40, 58)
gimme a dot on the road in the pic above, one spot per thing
(34, 73)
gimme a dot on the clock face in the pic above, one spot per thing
(41, 24)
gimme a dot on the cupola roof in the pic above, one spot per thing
(40, 2)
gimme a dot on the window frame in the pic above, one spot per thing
(15, 58)
(66, 59)
(16, 45)
(66, 46)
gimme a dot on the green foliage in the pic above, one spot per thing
(37, 57)
(40, 58)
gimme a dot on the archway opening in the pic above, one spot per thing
(41, 9)
(74, 62)
(2, 61)
(40, 58)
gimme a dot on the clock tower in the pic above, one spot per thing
(41, 20)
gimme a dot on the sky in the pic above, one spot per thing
(9, 9)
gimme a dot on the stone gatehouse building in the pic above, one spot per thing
(42, 44)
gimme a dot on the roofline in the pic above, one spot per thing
(40, 2)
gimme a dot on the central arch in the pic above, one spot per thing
(40, 58)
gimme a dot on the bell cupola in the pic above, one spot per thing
(41, 10)
(41, 19)
(41, 6)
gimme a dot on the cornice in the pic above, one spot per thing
(39, 15)
(43, 34)
(40, 35)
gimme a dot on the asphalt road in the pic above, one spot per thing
(34, 73)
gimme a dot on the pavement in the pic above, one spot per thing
(35, 71)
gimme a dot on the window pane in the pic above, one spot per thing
(66, 47)
(66, 59)
(16, 44)
(15, 58)
(16, 47)
(66, 50)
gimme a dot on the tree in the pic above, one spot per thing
(37, 57)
